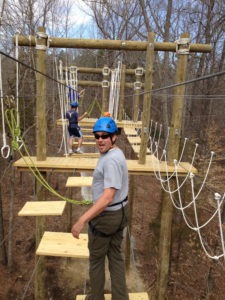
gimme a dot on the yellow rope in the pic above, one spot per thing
(16, 139)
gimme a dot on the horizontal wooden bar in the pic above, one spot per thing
(55, 42)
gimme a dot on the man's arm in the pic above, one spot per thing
(103, 201)
(82, 116)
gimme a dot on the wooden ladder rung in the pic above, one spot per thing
(76, 181)
(63, 244)
(132, 296)
(42, 208)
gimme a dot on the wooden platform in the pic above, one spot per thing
(72, 164)
(136, 149)
(89, 122)
(134, 140)
(43, 208)
(130, 131)
(76, 181)
(85, 154)
(63, 244)
(132, 296)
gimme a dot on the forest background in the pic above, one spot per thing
(193, 275)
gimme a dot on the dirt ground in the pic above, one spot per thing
(192, 275)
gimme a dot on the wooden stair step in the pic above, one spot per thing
(43, 208)
(75, 181)
(132, 296)
(134, 139)
(130, 131)
(85, 143)
(63, 244)
(136, 149)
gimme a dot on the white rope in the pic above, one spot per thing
(5, 149)
(61, 91)
(115, 91)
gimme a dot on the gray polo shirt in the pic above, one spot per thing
(111, 172)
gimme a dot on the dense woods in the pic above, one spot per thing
(192, 274)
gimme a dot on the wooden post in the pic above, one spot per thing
(147, 98)
(105, 88)
(41, 153)
(137, 89)
(173, 153)
(122, 90)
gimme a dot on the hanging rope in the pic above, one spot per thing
(15, 132)
(5, 149)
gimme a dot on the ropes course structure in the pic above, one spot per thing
(167, 184)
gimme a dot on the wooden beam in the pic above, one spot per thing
(54, 42)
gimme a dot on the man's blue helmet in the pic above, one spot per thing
(74, 104)
(105, 124)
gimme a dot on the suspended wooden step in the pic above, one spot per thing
(86, 129)
(88, 137)
(75, 163)
(85, 143)
(76, 181)
(136, 149)
(85, 154)
(134, 139)
(132, 296)
(130, 131)
(63, 244)
(43, 208)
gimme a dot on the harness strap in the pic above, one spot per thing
(102, 234)
(117, 203)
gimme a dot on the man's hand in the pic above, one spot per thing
(76, 229)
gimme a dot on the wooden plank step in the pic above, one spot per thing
(74, 181)
(136, 149)
(42, 208)
(85, 154)
(134, 139)
(89, 130)
(85, 143)
(130, 131)
(63, 244)
(88, 137)
(132, 296)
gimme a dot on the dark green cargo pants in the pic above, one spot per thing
(105, 235)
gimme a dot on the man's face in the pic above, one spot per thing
(104, 141)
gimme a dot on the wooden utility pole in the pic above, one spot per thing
(173, 153)
(147, 98)
(41, 127)
(122, 92)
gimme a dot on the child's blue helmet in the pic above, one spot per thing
(105, 124)
(74, 104)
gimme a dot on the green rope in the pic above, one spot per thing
(92, 105)
(18, 143)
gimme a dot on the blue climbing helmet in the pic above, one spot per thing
(105, 124)
(74, 104)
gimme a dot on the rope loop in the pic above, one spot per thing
(5, 151)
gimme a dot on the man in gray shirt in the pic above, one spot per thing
(109, 214)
